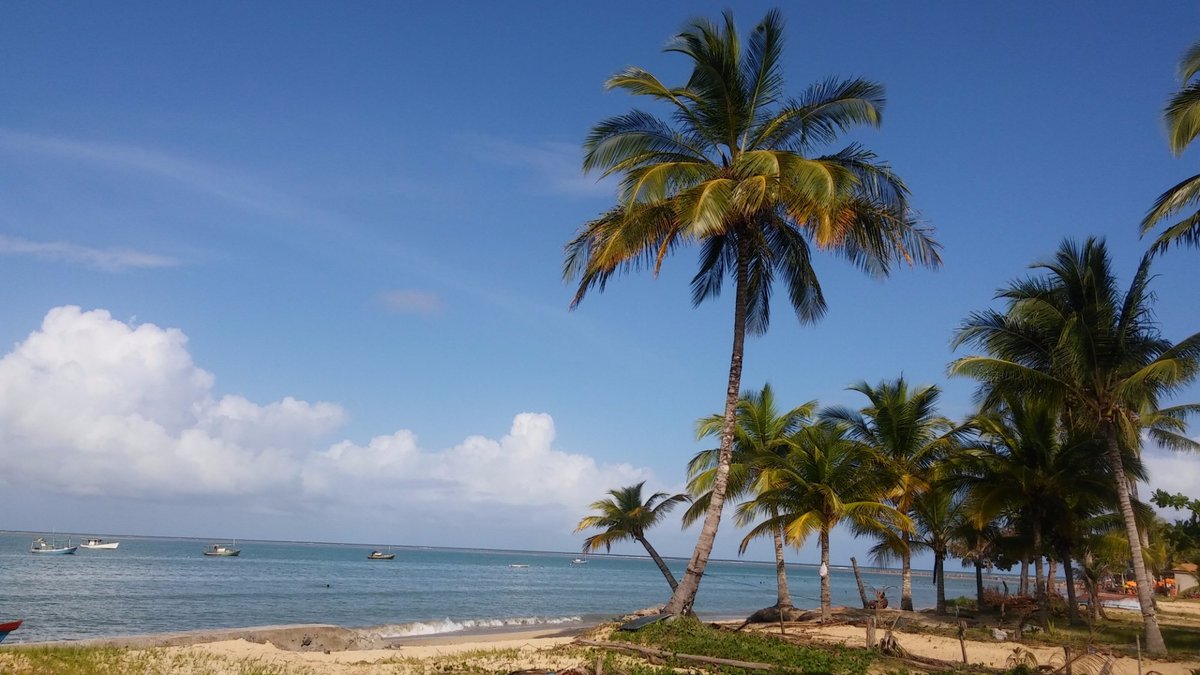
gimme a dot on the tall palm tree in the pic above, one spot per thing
(1182, 116)
(1072, 337)
(739, 170)
(762, 434)
(974, 542)
(824, 481)
(624, 516)
(909, 438)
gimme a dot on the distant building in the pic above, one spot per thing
(1185, 577)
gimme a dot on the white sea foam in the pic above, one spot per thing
(449, 625)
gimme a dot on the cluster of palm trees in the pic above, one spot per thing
(1071, 372)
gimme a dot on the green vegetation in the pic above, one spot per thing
(1182, 116)
(689, 636)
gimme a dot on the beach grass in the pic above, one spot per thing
(122, 661)
(689, 636)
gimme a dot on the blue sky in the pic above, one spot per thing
(316, 251)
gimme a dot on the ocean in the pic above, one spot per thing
(152, 585)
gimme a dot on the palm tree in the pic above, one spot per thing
(624, 516)
(938, 514)
(974, 542)
(1074, 339)
(909, 437)
(739, 171)
(762, 434)
(824, 481)
(1182, 116)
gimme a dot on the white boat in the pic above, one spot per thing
(100, 544)
(579, 561)
(222, 551)
(518, 566)
(40, 545)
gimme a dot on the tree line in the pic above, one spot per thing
(1073, 375)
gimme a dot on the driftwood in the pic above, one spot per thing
(862, 591)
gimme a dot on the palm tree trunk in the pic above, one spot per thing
(1023, 585)
(939, 574)
(1069, 580)
(685, 594)
(1051, 572)
(826, 597)
(662, 566)
(1039, 580)
(978, 585)
(1154, 638)
(906, 578)
(784, 598)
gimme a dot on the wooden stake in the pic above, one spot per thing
(870, 632)
(962, 639)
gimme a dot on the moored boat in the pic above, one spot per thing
(40, 545)
(100, 544)
(6, 628)
(222, 551)
(579, 561)
(380, 555)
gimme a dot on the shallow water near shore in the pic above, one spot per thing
(152, 585)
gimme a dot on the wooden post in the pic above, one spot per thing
(962, 639)
(870, 632)
(1138, 638)
(1067, 656)
(862, 591)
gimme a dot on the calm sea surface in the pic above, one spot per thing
(152, 585)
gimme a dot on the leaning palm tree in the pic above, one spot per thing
(742, 171)
(826, 480)
(909, 437)
(1182, 116)
(624, 516)
(762, 435)
(1074, 339)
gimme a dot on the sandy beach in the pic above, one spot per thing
(311, 649)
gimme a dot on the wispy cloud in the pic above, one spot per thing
(412, 302)
(553, 167)
(105, 259)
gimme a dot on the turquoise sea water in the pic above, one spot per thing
(152, 585)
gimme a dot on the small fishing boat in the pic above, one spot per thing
(579, 561)
(221, 551)
(40, 545)
(518, 565)
(380, 555)
(6, 628)
(100, 544)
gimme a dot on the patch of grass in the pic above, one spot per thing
(689, 636)
(117, 661)
(1121, 633)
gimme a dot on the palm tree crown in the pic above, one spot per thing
(1182, 116)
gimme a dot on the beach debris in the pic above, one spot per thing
(880, 601)
(306, 640)
(642, 622)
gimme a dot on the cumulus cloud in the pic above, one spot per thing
(411, 302)
(104, 259)
(90, 405)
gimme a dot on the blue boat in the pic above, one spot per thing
(6, 628)
(40, 545)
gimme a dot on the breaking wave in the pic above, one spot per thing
(448, 625)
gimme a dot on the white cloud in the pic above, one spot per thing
(90, 405)
(554, 167)
(1173, 472)
(104, 259)
(412, 302)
